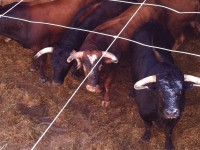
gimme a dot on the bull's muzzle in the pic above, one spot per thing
(171, 113)
(94, 89)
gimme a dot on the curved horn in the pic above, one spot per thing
(193, 79)
(111, 56)
(140, 84)
(76, 55)
(44, 51)
(78, 63)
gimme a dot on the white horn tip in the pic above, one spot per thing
(115, 61)
(69, 59)
(136, 87)
(44, 51)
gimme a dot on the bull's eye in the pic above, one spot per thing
(84, 68)
(160, 93)
(100, 67)
(180, 92)
(151, 88)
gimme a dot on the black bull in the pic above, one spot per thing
(160, 91)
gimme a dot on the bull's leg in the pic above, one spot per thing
(147, 133)
(107, 85)
(35, 62)
(168, 132)
(195, 25)
(131, 94)
(42, 62)
(178, 41)
(106, 100)
(35, 65)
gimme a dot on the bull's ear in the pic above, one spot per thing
(73, 51)
(107, 60)
(188, 86)
(151, 87)
(109, 57)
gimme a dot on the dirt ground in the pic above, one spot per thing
(27, 107)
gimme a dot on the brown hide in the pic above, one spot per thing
(115, 25)
(174, 22)
(38, 36)
(5, 2)
(59, 12)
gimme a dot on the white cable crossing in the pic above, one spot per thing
(11, 8)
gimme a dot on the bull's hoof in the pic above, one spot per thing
(6, 40)
(105, 103)
(169, 145)
(56, 83)
(33, 69)
(146, 138)
(43, 79)
(170, 148)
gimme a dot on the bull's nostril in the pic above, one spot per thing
(171, 113)
(176, 113)
(95, 89)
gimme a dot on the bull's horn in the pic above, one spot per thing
(141, 83)
(111, 56)
(78, 63)
(76, 55)
(193, 79)
(44, 51)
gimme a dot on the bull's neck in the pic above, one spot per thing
(145, 14)
(74, 3)
(7, 29)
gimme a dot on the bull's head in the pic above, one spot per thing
(60, 65)
(89, 60)
(171, 90)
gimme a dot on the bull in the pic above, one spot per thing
(38, 36)
(95, 45)
(73, 39)
(159, 84)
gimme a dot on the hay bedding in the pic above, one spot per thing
(27, 107)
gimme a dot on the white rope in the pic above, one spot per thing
(156, 5)
(11, 8)
(156, 47)
(3, 147)
(95, 32)
(56, 25)
(84, 80)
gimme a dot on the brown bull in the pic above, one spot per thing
(38, 36)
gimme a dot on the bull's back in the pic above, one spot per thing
(58, 12)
